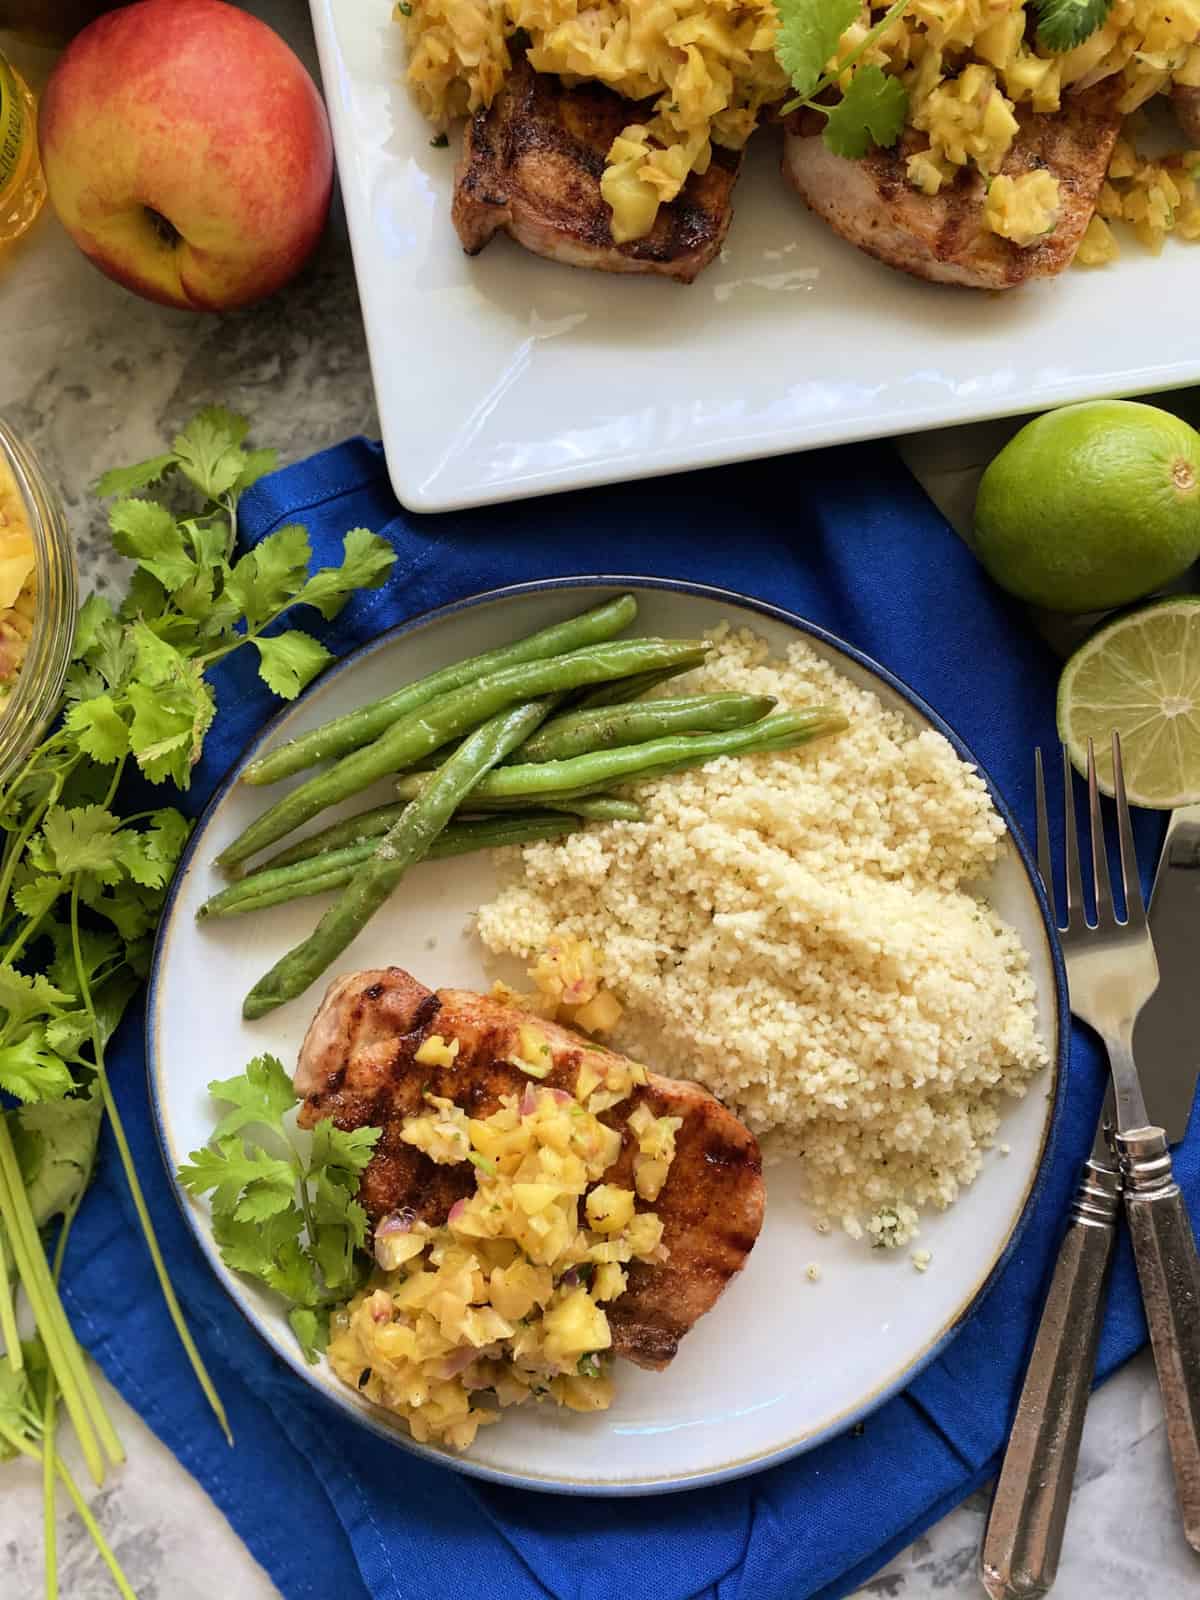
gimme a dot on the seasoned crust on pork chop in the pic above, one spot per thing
(531, 167)
(356, 1065)
(942, 237)
(1186, 102)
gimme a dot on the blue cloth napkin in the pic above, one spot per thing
(845, 538)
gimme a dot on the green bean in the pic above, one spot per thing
(597, 808)
(372, 824)
(560, 781)
(272, 886)
(405, 842)
(606, 694)
(443, 719)
(356, 728)
(575, 733)
(366, 826)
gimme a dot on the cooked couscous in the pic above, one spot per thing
(797, 932)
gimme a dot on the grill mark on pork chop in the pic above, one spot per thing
(942, 237)
(531, 167)
(356, 1066)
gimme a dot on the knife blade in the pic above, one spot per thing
(1167, 1038)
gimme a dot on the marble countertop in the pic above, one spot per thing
(94, 377)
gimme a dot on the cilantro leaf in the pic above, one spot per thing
(95, 616)
(366, 561)
(262, 1094)
(270, 1250)
(150, 856)
(98, 728)
(35, 897)
(871, 111)
(1064, 24)
(808, 37)
(68, 1034)
(257, 464)
(170, 720)
(23, 997)
(124, 480)
(350, 1149)
(103, 644)
(79, 839)
(209, 452)
(271, 576)
(288, 661)
(250, 1185)
(311, 1329)
(56, 1143)
(146, 531)
(30, 1070)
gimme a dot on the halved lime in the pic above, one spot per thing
(1139, 675)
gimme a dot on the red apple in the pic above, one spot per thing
(187, 153)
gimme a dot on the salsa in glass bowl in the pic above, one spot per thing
(39, 597)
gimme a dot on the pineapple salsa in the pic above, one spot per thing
(506, 1298)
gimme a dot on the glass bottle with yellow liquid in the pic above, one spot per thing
(22, 186)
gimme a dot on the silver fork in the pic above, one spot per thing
(1023, 1539)
(1112, 971)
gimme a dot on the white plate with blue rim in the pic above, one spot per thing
(752, 1383)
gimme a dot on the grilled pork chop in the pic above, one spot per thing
(531, 167)
(356, 1065)
(1186, 102)
(942, 237)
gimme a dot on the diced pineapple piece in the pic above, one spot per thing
(534, 1197)
(583, 1394)
(644, 1234)
(437, 1052)
(515, 1290)
(649, 1175)
(609, 1208)
(609, 1282)
(393, 1249)
(573, 1326)
(600, 1015)
(532, 1052)
(587, 1079)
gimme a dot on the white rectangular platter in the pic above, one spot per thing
(506, 375)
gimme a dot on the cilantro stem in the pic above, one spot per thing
(131, 1178)
(20, 840)
(28, 1448)
(93, 1527)
(8, 1314)
(62, 1348)
(49, 1504)
(50, 1410)
(29, 928)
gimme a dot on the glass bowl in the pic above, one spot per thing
(37, 687)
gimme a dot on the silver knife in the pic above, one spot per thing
(1167, 1038)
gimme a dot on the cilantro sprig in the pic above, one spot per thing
(1064, 24)
(288, 1218)
(873, 106)
(84, 873)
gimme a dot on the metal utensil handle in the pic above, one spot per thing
(1024, 1535)
(1164, 1248)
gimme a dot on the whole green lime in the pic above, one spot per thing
(1091, 506)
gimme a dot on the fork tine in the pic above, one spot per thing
(1044, 859)
(1100, 879)
(1131, 883)
(1076, 913)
